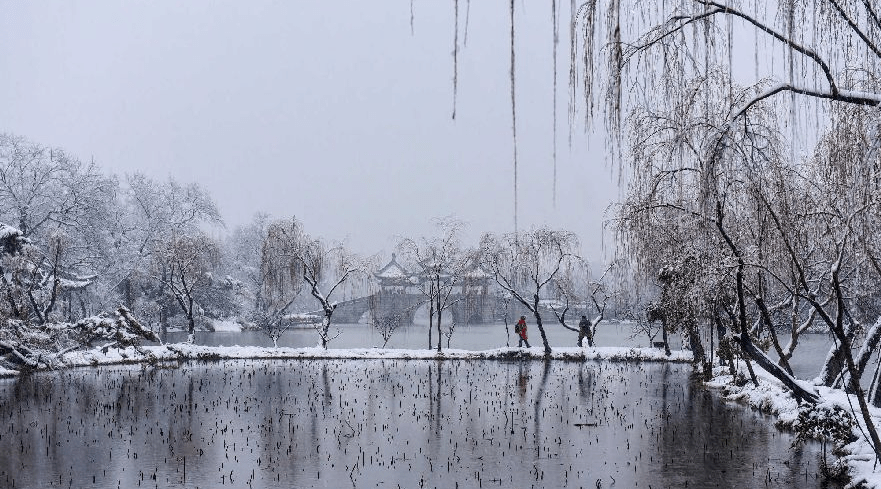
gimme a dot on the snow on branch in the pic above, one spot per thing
(848, 96)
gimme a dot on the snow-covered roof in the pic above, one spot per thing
(476, 273)
(393, 271)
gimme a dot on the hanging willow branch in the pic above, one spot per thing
(514, 114)
(467, 17)
(616, 64)
(573, 22)
(588, 11)
(455, 53)
(555, 20)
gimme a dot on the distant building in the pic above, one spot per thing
(393, 277)
(475, 280)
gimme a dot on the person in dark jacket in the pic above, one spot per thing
(583, 330)
(520, 329)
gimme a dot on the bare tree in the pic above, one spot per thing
(33, 276)
(279, 279)
(185, 267)
(448, 333)
(44, 189)
(768, 234)
(387, 325)
(523, 264)
(59, 202)
(686, 220)
(31, 334)
(443, 263)
(156, 213)
(334, 264)
(576, 291)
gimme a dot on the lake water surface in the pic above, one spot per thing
(388, 424)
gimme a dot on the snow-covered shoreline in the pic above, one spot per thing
(771, 397)
(187, 352)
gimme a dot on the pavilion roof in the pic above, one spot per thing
(393, 271)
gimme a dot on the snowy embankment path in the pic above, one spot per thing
(770, 396)
(185, 351)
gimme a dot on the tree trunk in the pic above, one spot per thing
(697, 349)
(722, 331)
(832, 366)
(875, 387)
(844, 336)
(191, 328)
(766, 363)
(325, 326)
(712, 351)
(439, 335)
(541, 329)
(163, 324)
(128, 293)
(430, 321)
(766, 320)
(835, 366)
(190, 319)
(664, 336)
(858, 391)
(873, 337)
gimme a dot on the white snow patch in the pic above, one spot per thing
(184, 351)
(226, 325)
(5, 372)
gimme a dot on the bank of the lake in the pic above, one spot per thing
(179, 352)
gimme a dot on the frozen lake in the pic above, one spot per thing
(388, 424)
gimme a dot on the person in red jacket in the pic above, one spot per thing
(520, 329)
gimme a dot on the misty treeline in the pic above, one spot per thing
(90, 259)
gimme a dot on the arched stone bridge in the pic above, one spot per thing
(468, 308)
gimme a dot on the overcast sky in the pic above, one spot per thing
(330, 111)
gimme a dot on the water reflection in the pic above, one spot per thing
(387, 423)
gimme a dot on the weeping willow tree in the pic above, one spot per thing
(526, 265)
(279, 281)
(724, 186)
(748, 134)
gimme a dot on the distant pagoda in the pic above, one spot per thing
(393, 276)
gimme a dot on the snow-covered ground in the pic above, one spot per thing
(184, 351)
(226, 325)
(772, 397)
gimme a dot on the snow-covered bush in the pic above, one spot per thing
(24, 345)
(827, 423)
